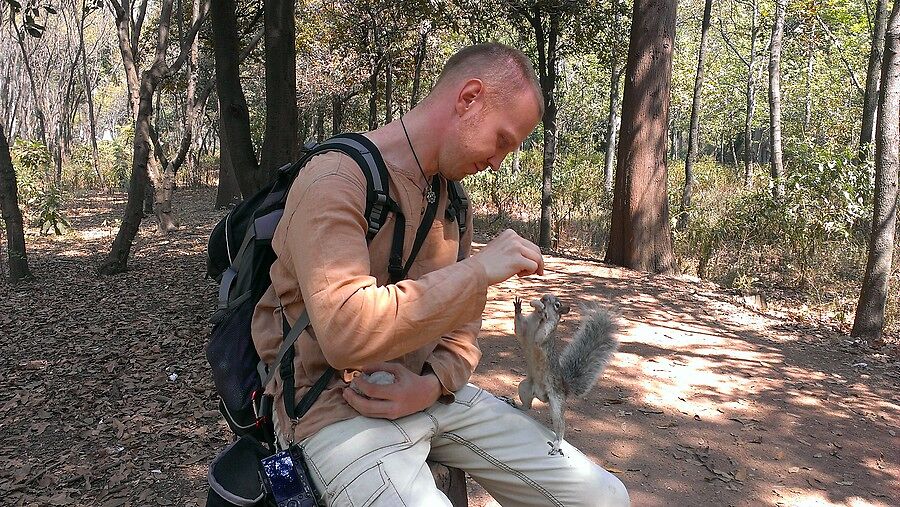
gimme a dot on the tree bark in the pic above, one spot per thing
(89, 96)
(751, 98)
(777, 164)
(280, 141)
(612, 125)
(873, 79)
(640, 235)
(419, 62)
(117, 260)
(547, 49)
(234, 117)
(388, 90)
(694, 132)
(373, 98)
(613, 117)
(749, 89)
(810, 66)
(227, 192)
(12, 216)
(337, 113)
(869, 320)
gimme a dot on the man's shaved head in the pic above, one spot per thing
(504, 69)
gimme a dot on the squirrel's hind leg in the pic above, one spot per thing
(558, 416)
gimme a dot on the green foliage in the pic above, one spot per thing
(47, 207)
(32, 162)
(580, 205)
(814, 231)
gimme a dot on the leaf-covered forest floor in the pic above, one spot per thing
(106, 398)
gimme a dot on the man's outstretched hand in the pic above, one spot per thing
(509, 254)
(410, 393)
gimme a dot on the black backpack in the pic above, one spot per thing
(239, 257)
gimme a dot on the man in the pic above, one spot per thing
(370, 449)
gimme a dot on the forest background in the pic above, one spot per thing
(225, 108)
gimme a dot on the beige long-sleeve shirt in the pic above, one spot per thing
(325, 266)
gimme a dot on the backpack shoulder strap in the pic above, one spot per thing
(366, 155)
(458, 205)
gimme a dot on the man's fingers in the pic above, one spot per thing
(365, 406)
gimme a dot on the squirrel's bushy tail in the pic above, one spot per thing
(594, 343)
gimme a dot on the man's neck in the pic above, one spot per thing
(395, 148)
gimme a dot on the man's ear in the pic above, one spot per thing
(469, 96)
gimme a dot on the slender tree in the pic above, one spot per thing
(117, 260)
(280, 140)
(869, 320)
(777, 164)
(694, 132)
(640, 236)
(612, 118)
(12, 216)
(873, 79)
(749, 85)
(234, 116)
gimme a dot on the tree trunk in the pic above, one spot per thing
(12, 216)
(234, 117)
(117, 260)
(547, 48)
(89, 95)
(388, 90)
(873, 78)
(227, 192)
(869, 321)
(612, 126)
(694, 132)
(320, 121)
(38, 109)
(613, 116)
(640, 236)
(751, 97)
(280, 141)
(810, 66)
(777, 165)
(337, 113)
(373, 98)
(417, 73)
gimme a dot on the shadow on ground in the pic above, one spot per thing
(107, 398)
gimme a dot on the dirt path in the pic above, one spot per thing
(106, 400)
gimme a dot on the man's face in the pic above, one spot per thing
(489, 132)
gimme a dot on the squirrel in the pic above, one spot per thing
(553, 376)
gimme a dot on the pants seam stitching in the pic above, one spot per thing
(503, 466)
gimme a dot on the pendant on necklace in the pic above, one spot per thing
(430, 196)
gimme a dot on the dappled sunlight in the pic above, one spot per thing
(723, 397)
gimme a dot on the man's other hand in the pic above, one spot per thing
(410, 393)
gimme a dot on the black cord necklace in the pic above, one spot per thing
(427, 192)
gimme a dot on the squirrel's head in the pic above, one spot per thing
(551, 306)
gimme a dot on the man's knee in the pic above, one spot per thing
(603, 489)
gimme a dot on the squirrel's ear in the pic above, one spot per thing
(537, 304)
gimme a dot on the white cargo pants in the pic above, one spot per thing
(375, 462)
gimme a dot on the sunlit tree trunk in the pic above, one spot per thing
(694, 132)
(640, 234)
(777, 164)
(869, 321)
(873, 79)
(12, 215)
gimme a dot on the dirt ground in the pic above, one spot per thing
(106, 398)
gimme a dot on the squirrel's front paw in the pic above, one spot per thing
(517, 304)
